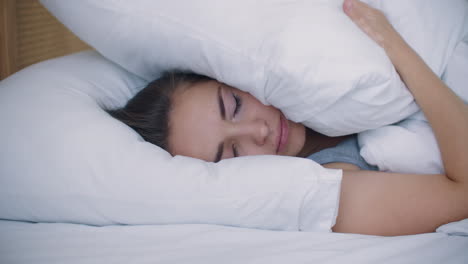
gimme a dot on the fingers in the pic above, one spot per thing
(348, 6)
(370, 20)
(355, 9)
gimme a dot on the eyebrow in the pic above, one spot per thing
(222, 112)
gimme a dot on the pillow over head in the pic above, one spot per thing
(305, 57)
(64, 159)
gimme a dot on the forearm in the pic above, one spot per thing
(445, 111)
(401, 204)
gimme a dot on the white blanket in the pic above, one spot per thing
(173, 244)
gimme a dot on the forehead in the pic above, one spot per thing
(194, 121)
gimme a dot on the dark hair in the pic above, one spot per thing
(148, 111)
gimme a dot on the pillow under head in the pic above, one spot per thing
(64, 159)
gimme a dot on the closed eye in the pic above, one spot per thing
(238, 102)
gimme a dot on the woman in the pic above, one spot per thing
(200, 117)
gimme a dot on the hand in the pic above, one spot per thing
(373, 22)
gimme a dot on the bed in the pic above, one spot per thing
(54, 209)
(67, 243)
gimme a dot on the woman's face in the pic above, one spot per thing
(212, 121)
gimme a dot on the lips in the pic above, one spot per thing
(283, 134)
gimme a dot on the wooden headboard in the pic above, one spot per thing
(30, 34)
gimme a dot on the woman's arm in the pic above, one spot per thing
(400, 204)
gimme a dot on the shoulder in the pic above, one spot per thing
(341, 166)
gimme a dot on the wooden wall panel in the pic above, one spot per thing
(34, 35)
(7, 37)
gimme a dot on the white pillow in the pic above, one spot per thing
(407, 147)
(410, 146)
(64, 159)
(305, 57)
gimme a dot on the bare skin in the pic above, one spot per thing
(392, 204)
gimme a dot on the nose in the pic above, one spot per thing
(257, 130)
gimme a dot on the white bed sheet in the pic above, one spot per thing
(22, 242)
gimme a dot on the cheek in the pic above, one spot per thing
(297, 138)
(261, 110)
(253, 150)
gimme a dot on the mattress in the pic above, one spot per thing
(23, 242)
